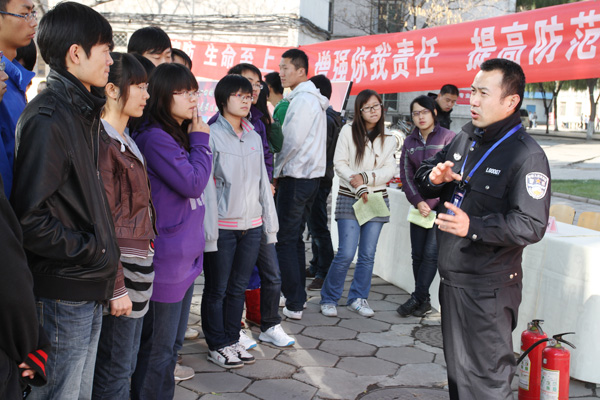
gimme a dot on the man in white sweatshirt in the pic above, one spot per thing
(299, 166)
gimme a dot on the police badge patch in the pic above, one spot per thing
(537, 184)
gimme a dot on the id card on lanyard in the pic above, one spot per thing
(461, 188)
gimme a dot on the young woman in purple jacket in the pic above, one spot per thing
(426, 139)
(175, 142)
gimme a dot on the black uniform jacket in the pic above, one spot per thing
(59, 197)
(507, 201)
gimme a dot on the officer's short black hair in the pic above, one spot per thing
(323, 84)
(67, 24)
(274, 81)
(182, 54)
(449, 89)
(513, 77)
(241, 67)
(150, 39)
(298, 58)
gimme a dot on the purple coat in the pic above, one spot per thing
(178, 179)
(413, 154)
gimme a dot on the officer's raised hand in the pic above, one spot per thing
(457, 224)
(443, 173)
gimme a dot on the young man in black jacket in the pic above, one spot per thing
(60, 201)
(494, 180)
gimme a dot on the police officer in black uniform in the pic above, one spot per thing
(494, 180)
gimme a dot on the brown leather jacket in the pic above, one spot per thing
(128, 192)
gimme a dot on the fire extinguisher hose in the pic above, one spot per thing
(557, 337)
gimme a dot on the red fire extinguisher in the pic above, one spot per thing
(530, 367)
(556, 361)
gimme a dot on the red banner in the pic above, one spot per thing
(553, 43)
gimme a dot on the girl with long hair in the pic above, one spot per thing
(364, 162)
(123, 170)
(174, 140)
(426, 139)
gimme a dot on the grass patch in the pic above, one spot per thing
(583, 188)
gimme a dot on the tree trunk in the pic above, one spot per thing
(555, 99)
(592, 119)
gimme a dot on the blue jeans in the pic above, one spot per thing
(185, 315)
(351, 237)
(424, 260)
(73, 328)
(270, 286)
(226, 275)
(153, 377)
(322, 248)
(117, 357)
(294, 200)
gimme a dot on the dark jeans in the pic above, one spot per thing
(424, 260)
(226, 276)
(294, 200)
(270, 286)
(183, 322)
(322, 248)
(117, 357)
(153, 377)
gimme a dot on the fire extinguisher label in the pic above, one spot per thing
(549, 385)
(524, 373)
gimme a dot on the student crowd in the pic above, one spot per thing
(116, 196)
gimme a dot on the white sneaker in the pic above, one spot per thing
(242, 353)
(246, 340)
(281, 300)
(276, 336)
(329, 310)
(191, 333)
(183, 373)
(292, 314)
(225, 357)
(362, 307)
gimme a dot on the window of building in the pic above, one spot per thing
(330, 24)
(578, 108)
(120, 39)
(562, 108)
(389, 16)
(390, 102)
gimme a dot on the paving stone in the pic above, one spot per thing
(376, 296)
(227, 396)
(347, 348)
(182, 393)
(194, 319)
(315, 319)
(335, 383)
(427, 375)
(386, 339)
(364, 325)
(405, 355)
(367, 366)
(376, 281)
(216, 382)
(404, 329)
(397, 298)
(403, 393)
(279, 389)
(329, 332)
(266, 369)
(440, 359)
(305, 342)
(291, 328)
(578, 389)
(196, 346)
(308, 358)
(387, 289)
(426, 347)
(200, 364)
(382, 305)
(392, 317)
(435, 318)
(266, 351)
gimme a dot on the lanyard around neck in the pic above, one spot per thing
(487, 153)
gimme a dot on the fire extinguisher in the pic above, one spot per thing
(530, 367)
(556, 361)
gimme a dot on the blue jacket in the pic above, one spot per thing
(11, 107)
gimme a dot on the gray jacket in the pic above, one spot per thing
(240, 193)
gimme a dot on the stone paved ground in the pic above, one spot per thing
(348, 357)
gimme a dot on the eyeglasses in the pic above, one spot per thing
(257, 86)
(143, 86)
(27, 17)
(242, 97)
(372, 108)
(423, 112)
(188, 94)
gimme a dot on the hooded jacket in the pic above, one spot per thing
(334, 125)
(59, 197)
(303, 153)
(243, 191)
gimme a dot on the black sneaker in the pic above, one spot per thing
(316, 284)
(408, 308)
(423, 309)
(309, 273)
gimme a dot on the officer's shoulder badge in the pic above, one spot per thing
(537, 184)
